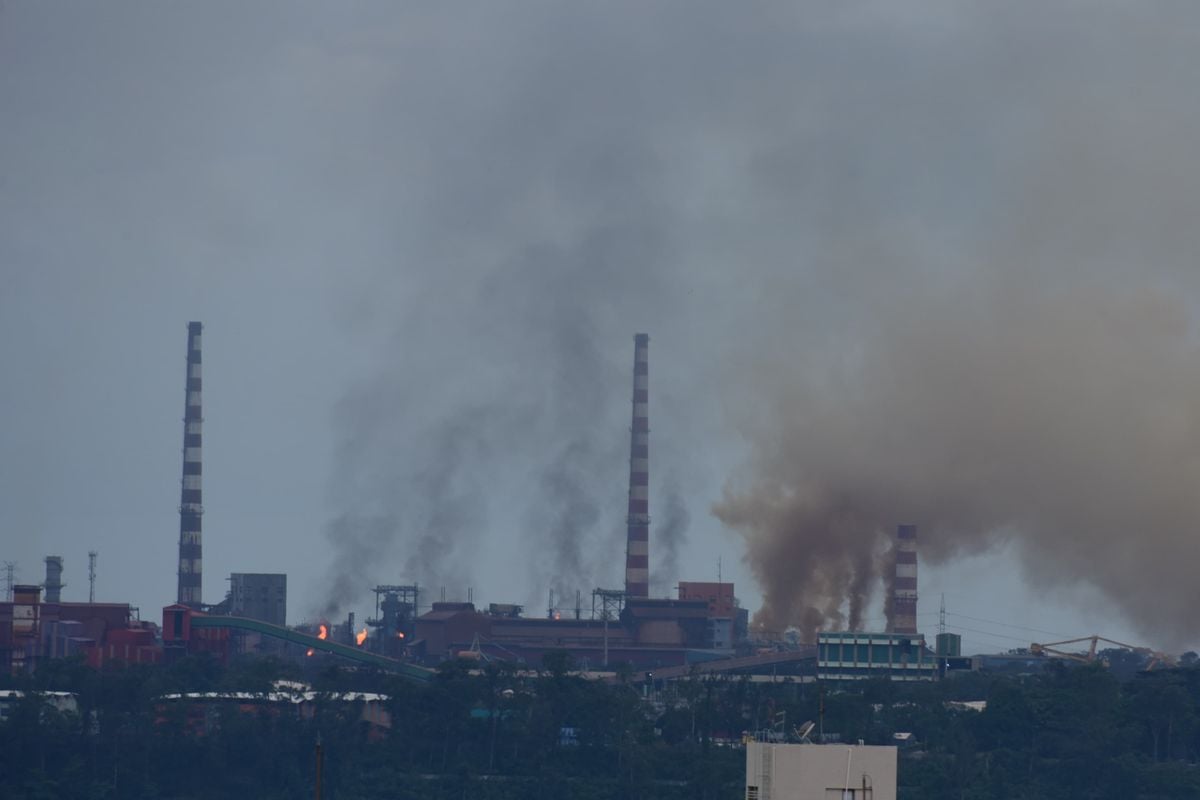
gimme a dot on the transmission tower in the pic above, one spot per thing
(10, 571)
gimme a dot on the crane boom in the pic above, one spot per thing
(1154, 657)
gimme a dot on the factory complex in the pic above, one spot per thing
(703, 628)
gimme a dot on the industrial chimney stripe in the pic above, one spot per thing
(904, 581)
(637, 546)
(190, 499)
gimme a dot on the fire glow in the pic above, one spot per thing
(360, 637)
(323, 632)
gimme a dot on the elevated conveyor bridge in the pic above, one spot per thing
(355, 654)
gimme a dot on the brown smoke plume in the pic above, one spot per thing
(1065, 418)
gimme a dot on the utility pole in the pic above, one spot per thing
(91, 576)
(320, 759)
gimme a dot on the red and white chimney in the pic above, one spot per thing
(904, 581)
(637, 545)
(190, 504)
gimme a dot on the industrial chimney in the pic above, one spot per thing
(190, 508)
(637, 545)
(53, 579)
(904, 581)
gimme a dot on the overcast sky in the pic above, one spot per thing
(421, 237)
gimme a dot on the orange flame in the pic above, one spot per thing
(360, 637)
(322, 632)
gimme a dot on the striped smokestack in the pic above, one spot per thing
(904, 582)
(637, 545)
(190, 508)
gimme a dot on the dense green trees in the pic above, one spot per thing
(488, 731)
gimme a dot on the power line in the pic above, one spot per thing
(1005, 624)
(988, 633)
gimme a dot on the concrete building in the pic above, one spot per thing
(259, 595)
(819, 772)
(728, 622)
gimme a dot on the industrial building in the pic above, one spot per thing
(899, 653)
(32, 630)
(859, 656)
(204, 711)
(256, 595)
(703, 623)
(820, 772)
(647, 632)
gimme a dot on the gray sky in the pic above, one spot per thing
(421, 237)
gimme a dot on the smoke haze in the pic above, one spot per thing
(1063, 419)
(668, 536)
(931, 264)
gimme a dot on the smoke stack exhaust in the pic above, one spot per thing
(190, 503)
(904, 582)
(53, 579)
(637, 544)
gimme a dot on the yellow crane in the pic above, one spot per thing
(1154, 657)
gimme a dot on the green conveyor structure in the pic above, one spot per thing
(410, 671)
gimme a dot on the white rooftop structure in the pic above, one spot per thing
(819, 772)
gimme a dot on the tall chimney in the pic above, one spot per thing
(190, 507)
(637, 545)
(53, 579)
(904, 581)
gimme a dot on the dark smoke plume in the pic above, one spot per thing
(669, 535)
(1066, 419)
(562, 527)
(355, 542)
(918, 256)
(415, 513)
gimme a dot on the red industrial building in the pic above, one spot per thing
(703, 623)
(32, 630)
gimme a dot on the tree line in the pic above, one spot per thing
(493, 732)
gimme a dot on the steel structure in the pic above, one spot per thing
(190, 502)
(54, 582)
(612, 601)
(1154, 657)
(358, 654)
(637, 544)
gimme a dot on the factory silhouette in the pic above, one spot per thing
(703, 628)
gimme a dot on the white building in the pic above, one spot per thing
(819, 772)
